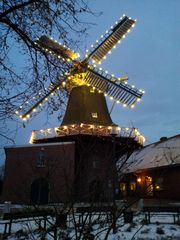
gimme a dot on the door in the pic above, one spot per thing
(40, 191)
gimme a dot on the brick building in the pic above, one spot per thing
(44, 168)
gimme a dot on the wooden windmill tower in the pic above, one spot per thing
(87, 120)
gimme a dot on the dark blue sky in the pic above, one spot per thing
(150, 55)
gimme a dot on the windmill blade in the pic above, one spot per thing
(121, 92)
(31, 106)
(110, 39)
(52, 46)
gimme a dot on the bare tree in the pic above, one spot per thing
(26, 69)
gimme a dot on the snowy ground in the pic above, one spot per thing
(161, 228)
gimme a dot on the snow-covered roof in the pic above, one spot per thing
(162, 153)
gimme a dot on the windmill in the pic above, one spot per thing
(88, 84)
(87, 134)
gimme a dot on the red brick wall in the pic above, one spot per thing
(21, 170)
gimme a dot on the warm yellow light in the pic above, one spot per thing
(33, 135)
(139, 180)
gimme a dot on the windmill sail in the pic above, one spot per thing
(82, 73)
(58, 49)
(120, 92)
(37, 101)
(110, 39)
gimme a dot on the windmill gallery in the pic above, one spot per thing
(76, 160)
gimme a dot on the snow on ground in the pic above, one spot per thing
(161, 228)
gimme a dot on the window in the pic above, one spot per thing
(159, 184)
(41, 159)
(149, 185)
(132, 186)
(92, 90)
(122, 187)
(94, 115)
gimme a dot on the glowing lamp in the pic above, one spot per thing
(139, 180)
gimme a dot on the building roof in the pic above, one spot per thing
(39, 145)
(159, 154)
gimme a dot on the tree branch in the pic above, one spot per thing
(16, 7)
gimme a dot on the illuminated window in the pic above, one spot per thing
(149, 185)
(122, 187)
(92, 90)
(132, 186)
(94, 115)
